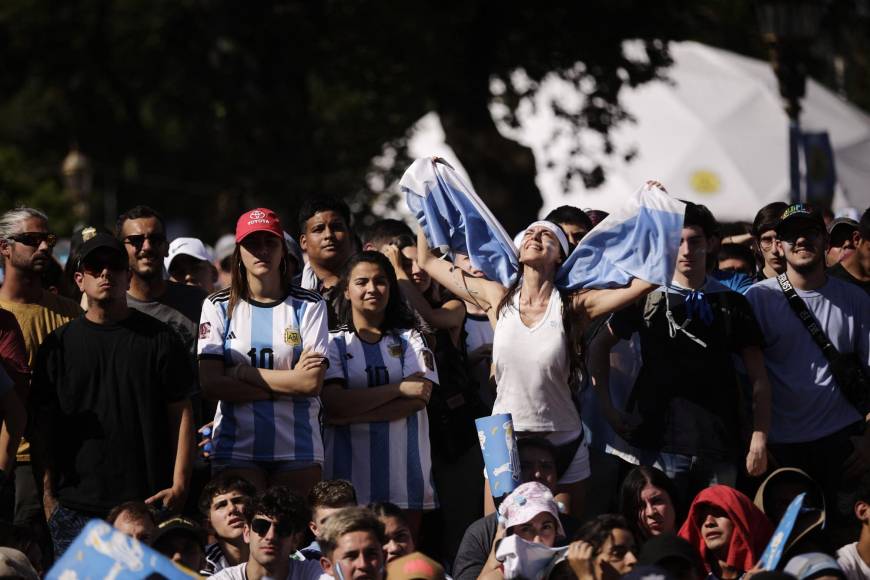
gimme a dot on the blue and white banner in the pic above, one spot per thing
(101, 551)
(778, 542)
(498, 443)
(456, 220)
(640, 240)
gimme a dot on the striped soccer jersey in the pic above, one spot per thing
(385, 460)
(267, 336)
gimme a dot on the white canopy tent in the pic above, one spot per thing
(715, 134)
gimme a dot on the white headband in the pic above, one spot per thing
(557, 231)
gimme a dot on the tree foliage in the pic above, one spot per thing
(201, 108)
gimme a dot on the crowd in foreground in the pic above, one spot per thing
(294, 407)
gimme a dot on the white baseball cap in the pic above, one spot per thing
(189, 247)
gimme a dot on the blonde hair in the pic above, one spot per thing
(345, 521)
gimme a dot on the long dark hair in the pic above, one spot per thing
(239, 289)
(630, 501)
(397, 315)
(576, 339)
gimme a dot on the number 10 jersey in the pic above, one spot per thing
(267, 336)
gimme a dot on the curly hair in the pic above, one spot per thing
(284, 505)
(332, 493)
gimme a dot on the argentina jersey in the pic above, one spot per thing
(385, 460)
(267, 336)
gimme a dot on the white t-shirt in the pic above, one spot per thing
(853, 566)
(807, 403)
(532, 368)
(268, 336)
(299, 570)
(385, 461)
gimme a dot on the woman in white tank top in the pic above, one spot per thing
(531, 347)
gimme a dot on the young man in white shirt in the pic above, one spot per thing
(272, 526)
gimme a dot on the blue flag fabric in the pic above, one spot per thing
(101, 551)
(779, 541)
(640, 240)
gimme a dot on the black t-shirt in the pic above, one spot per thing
(687, 395)
(104, 390)
(838, 271)
(184, 298)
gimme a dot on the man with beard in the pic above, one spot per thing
(26, 244)
(223, 502)
(272, 525)
(143, 233)
(813, 425)
(328, 241)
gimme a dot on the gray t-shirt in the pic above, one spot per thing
(807, 403)
(299, 570)
(183, 326)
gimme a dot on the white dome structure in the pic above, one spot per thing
(715, 133)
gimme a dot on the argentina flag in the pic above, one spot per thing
(640, 240)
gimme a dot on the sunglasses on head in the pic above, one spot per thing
(261, 526)
(34, 239)
(138, 240)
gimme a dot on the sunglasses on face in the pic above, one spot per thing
(791, 237)
(34, 239)
(138, 240)
(261, 527)
(96, 267)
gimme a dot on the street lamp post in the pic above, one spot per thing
(788, 27)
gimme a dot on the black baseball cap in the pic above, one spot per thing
(179, 525)
(94, 240)
(798, 213)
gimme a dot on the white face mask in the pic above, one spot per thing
(524, 559)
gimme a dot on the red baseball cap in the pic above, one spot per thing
(260, 219)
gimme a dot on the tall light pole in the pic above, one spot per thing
(788, 28)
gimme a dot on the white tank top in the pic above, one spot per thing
(532, 368)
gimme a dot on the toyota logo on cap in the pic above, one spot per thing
(256, 215)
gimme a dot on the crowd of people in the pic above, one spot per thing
(304, 407)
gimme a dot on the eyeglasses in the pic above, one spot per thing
(34, 239)
(766, 242)
(138, 240)
(95, 267)
(262, 526)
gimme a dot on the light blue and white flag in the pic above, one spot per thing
(456, 220)
(640, 240)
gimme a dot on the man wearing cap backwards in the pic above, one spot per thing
(855, 268)
(110, 399)
(813, 426)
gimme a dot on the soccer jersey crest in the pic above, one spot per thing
(395, 350)
(292, 337)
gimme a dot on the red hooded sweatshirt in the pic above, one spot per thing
(752, 530)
